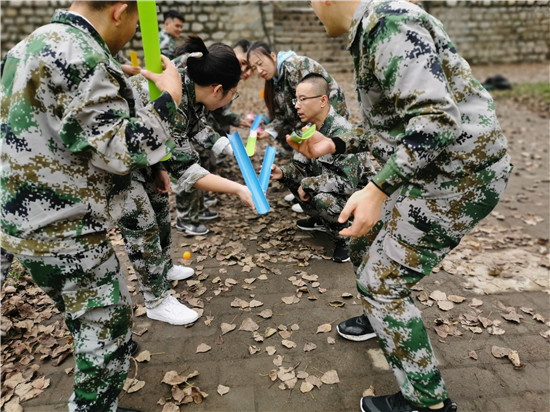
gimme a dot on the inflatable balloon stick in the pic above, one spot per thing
(249, 174)
(251, 142)
(150, 36)
(266, 167)
(307, 132)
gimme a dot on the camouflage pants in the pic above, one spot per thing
(145, 227)
(189, 204)
(6, 259)
(90, 291)
(323, 206)
(412, 237)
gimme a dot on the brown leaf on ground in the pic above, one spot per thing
(222, 390)
(330, 377)
(203, 347)
(325, 327)
(248, 325)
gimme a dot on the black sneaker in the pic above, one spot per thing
(134, 347)
(340, 254)
(310, 224)
(191, 229)
(357, 329)
(208, 214)
(210, 201)
(397, 403)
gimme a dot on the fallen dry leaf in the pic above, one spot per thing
(144, 356)
(445, 305)
(330, 377)
(288, 344)
(266, 313)
(222, 390)
(308, 347)
(438, 295)
(369, 391)
(326, 327)
(203, 347)
(227, 327)
(306, 387)
(248, 325)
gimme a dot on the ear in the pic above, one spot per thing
(324, 100)
(216, 88)
(273, 56)
(117, 11)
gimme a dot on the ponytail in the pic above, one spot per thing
(217, 65)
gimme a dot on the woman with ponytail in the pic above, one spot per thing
(209, 80)
(282, 72)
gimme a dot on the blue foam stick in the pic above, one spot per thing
(266, 167)
(249, 174)
(256, 122)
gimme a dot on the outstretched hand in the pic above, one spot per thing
(276, 172)
(167, 81)
(317, 145)
(366, 207)
(246, 197)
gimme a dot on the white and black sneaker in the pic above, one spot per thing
(290, 197)
(398, 403)
(357, 329)
(310, 224)
(341, 254)
(191, 229)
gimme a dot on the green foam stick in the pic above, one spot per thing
(150, 37)
(306, 134)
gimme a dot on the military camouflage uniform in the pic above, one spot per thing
(222, 119)
(146, 229)
(184, 164)
(69, 138)
(444, 160)
(167, 44)
(291, 72)
(329, 180)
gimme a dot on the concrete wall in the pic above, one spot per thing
(484, 32)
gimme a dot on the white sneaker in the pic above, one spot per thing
(179, 272)
(290, 197)
(173, 312)
(297, 208)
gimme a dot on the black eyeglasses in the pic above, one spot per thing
(235, 96)
(303, 99)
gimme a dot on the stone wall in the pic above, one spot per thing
(484, 32)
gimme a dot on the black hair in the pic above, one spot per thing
(173, 14)
(243, 44)
(263, 48)
(319, 82)
(100, 5)
(218, 64)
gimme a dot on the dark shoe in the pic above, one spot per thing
(357, 329)
(208, 214)
(210, 201)
(310, 224)
(191, 229)
(340, 254)
(397, 403)
(134, 347)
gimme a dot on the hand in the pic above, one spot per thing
(245, 196)
(366, 207)
(246, 122)
(162, 180)
(167, 81)
(276, 172)
(316, 146)
(263, 135)
(303, 195)
(130, 70)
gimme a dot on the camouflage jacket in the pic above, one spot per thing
(70, 135)
(339, 174)
(167, 44)
(291, 72)
(183, 165)
(427, 120)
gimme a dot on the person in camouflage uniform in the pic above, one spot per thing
(173, 27)
(323, 185)
(433, 128)
(282, 72)
(69, 139)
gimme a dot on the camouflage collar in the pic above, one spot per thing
(81, 23)
(326, 126)
(360, 11)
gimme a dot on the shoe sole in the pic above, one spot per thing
(340, 260)
(171, 279)
(190, 232)
(356, 338)
(311, 229)
(208, 218)
(173, 322)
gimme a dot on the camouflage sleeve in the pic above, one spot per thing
(225, 116)
(98, 118)
(208, 138)
(340, 175)
(295, 170)
(410, 73)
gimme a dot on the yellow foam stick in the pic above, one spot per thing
(134, 58)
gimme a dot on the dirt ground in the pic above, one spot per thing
(279, 290)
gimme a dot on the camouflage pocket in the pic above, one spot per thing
(79, 302)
